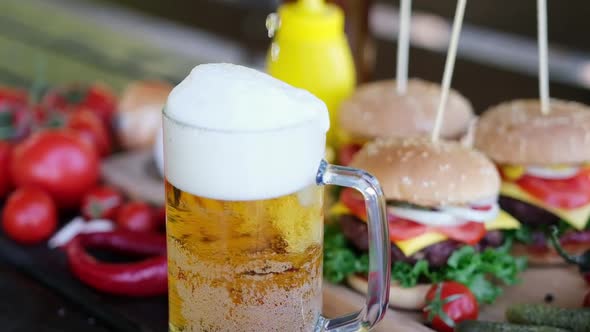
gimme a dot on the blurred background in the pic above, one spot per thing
(120, 40)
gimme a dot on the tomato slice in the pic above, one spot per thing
(566, 193)
(470, 233)
(354, 201)
(347, 152)
(403, 229)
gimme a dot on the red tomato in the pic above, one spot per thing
(137, 217)
(98, 98)
(567, 194)
(5, 178)
(449, 303)
(347, 152)
(91, 129)
(402, 229)
(29, 216)
(57, 161)
(101, 202)
(12, 95)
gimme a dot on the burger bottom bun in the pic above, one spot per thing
(548, 257)
(402, 298)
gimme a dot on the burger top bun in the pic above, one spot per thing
(377, 110)
(140, 113)
(418, 171)
(517, 133)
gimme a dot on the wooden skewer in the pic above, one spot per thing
(543, 58)
(403, 46)
(449, 67)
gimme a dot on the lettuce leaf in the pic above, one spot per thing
(483, 272)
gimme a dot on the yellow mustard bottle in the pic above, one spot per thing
(310, 51)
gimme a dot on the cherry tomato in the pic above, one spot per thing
(449, 303)
(29, 216)
(160, 215)
(137, 217)
(567, 193)
(101, 203)
(5, 178)
(98, 98)
(347, 152)
(402, 229)
(57, 161)
(91, 129)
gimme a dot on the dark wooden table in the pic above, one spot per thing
(39, 294)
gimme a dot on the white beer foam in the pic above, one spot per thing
(233, 133)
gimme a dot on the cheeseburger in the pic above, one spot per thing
(444, 221)
(543, 160)
(377, 110)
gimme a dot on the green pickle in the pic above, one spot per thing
(480, 326)
(575, 320)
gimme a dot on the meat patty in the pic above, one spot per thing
(356, 232)
(526, 213)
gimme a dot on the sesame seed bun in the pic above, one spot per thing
(412, 298)
(377, 110)
(517, 133)
(417, 171)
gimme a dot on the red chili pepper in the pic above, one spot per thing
(144, 278)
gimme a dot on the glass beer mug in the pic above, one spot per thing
(244, 181)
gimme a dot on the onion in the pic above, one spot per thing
(430, 218)
(485, 201)
(448, 215)
(552, 174)
(467, 213)
(77, 226)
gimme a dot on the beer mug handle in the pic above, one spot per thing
(379, 248)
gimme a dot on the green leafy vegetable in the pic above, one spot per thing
(480, 271)
(524, 234)
(340, 260)
(407, 275)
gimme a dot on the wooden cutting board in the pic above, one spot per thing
(136, 175)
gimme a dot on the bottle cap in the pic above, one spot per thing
(310, 19)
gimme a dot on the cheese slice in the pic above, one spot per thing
(411, 246)
(503, 221)
(339, 209)
(577, 217)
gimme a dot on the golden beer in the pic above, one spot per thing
(244, 175)
(244, 265)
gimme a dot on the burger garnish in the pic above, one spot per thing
(443, 218)
(377, 110)
(545, 176)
